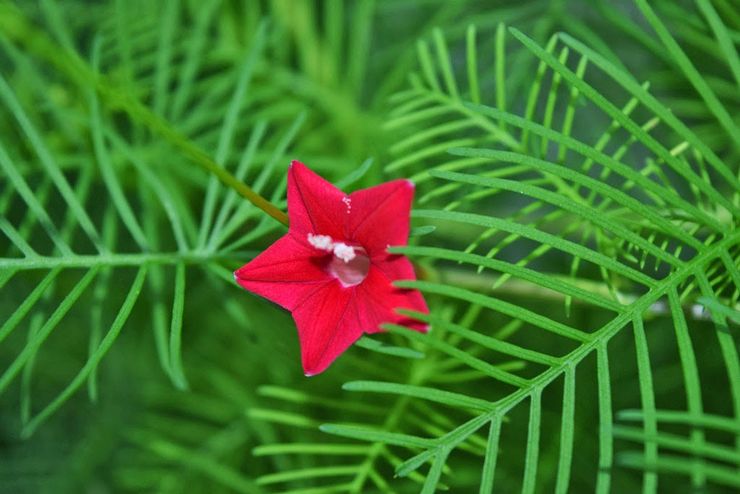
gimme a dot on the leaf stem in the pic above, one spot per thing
(17, 28)
(483, 283)
(119, 260)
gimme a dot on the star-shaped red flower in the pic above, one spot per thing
(332, 270)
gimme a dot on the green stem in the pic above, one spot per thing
(17, 28)
(487, 283)
(119, 260)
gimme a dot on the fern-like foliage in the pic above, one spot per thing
(66, 253)
(575, 235)
(635, 217)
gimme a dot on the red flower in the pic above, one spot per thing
(331, 270)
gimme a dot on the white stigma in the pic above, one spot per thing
(347, 202)
(344, 252)
(321, 242)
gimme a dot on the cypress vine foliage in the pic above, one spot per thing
(575, 235)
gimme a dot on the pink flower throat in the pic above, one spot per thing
(348, 263)
(352, 272)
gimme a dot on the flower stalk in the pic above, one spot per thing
(15, 26)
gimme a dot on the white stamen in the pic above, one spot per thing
(344, 252)
(322, 242)
(347, 202)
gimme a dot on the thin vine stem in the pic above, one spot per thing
(487, 283)
(16, 27)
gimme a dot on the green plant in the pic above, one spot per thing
(576, 225)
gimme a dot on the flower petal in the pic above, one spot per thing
(378, 298)
(286, 273)
(327, 326)
(315, 205)
(380, 216)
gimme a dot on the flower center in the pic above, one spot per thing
(349, 264)
(351, 272)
